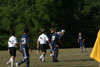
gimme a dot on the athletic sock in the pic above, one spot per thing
(41, 56)
(12, 63)
(22, 61)
(9, 61)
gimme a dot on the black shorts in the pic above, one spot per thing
(43, 47)
(12, 51)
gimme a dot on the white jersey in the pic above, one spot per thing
(12, 41)
(43, 39)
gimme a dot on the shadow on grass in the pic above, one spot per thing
(77, 60)
(66, 66)
(83, 66)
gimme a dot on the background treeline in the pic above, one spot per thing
(72, 15)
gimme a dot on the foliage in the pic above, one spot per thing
(72, 15)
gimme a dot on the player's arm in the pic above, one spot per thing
(37, 44)
(20, 47)
(8, 50)
(59, 43)
(8, 47)
(47, 39)
(16, 45)
(28, 44)
(50, 44)
(78, 40)
(58, 40)
(16, 42)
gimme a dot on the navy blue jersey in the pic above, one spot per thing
(80, 38)
(24, 40)
(54, 39)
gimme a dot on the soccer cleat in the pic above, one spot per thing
(17, 65)
(43, 59)
(8, 64)
(51, 55)
(40, 59)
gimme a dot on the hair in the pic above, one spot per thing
(26, 30)
(43, 31)
(12, 32)
(53, 29)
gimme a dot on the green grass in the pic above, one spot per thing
(67, 57)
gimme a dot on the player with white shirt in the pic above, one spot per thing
(12, 44)
(42, 40)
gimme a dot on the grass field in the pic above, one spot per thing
(67, 58)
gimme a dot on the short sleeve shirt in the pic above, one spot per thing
(24, 40)
(43, 39)
(54, 38)
(12, 41)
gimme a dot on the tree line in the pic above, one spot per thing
(72, 15)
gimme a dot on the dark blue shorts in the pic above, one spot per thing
(54, 47)
(25, 52)
(81, 44)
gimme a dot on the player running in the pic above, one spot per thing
(24, 48)
(12, 44)
(42, 40)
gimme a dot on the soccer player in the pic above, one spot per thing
(12, 44)
(61, 33)
(81, 42)
(24, 48)
(54, 43)
(42, 40)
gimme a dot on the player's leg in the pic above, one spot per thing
(57, 51)
(54, 57)
(9, 61)
(13, 55)
(99, 64)
(42, 57)
(55, 54)
(12, 61)
(25, 55)
(27, 62)
(10, 58)
(84, 48)
(42, 53)
(81, 47)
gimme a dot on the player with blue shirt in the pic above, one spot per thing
(24, 48)
(81, 42)
(54, 43)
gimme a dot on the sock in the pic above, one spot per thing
(12, 63)
(41, 56)
(10, 60)
(22, 61)
(27, 62)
